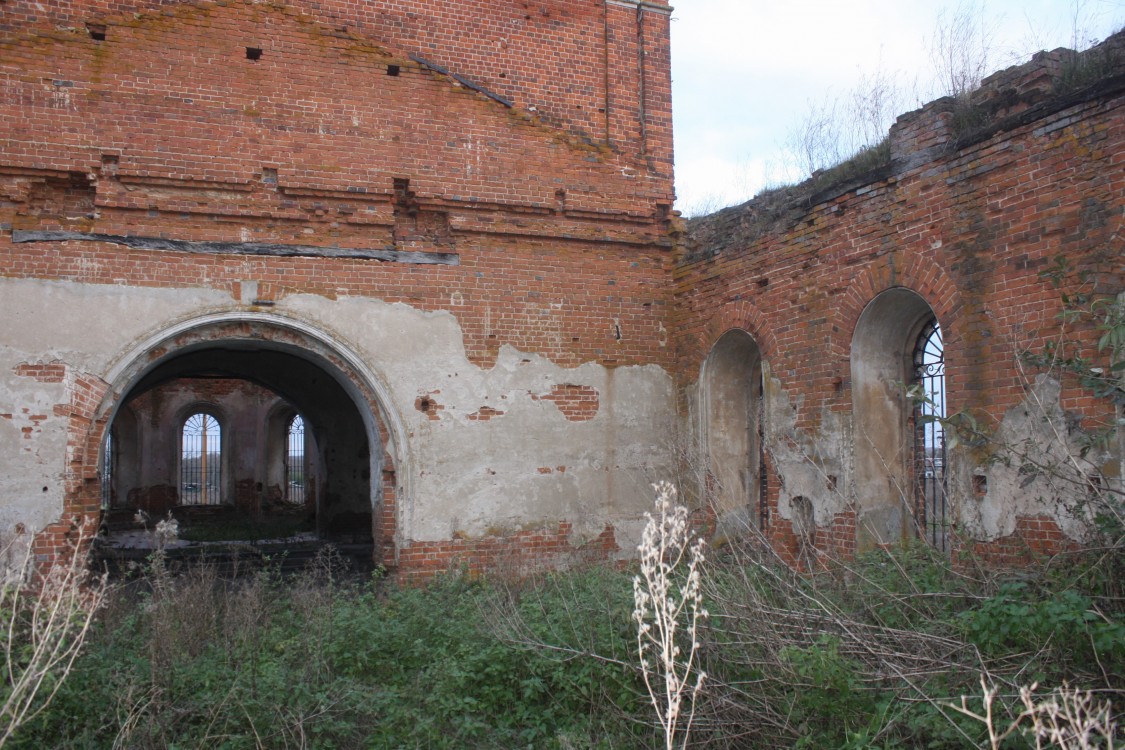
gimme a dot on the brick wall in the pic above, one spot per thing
(966, 218)
(168, 131)
(314, 148)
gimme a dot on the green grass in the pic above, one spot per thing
(860, 655)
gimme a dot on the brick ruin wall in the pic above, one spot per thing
(469, 201)
(974, 204)
(461, 213)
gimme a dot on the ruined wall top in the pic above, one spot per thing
(1008, 99)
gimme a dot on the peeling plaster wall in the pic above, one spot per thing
(1042, 471)
(834, 279)
(393, 192)
(86, 328)
(526, 465)
(597, 470)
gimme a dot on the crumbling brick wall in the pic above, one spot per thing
(973, 202)
(456, 180)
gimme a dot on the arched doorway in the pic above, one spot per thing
(897, 439)
(733, 410)
(251, 368)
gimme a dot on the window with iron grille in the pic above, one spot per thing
(931, 497)
(295, 467)
(107, 471)
(201, 461)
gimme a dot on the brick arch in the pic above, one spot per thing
(97, 405)
(741, 315)
(903, 268)
(731, 424)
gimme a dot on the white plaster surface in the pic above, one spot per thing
(1034, 433)
(83, 327)
(478, 477)
(467, 477)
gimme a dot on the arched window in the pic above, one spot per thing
(296, 468)
(201, 461)
(734, 429)
(896, 443)
(929, 436)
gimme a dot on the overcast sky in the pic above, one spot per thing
(746, 72)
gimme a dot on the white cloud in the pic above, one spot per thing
(745, 71)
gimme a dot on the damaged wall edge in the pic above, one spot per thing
(240, 248)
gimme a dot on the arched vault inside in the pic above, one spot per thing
(252, 379)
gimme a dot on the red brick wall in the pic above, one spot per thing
(169, 131)
(557, 209)
(967, 219)
(578, 63)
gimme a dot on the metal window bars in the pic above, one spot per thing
(295, 466)
(201, 461)
(930, 487)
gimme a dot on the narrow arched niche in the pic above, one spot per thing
(881, 364)
(734, 429)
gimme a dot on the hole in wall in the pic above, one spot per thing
(1093, 486)
(393, 70)
(96, 31)
(253, 53)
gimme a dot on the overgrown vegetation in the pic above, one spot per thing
(199, 661)
(45, 617)
(898, 648)
(867, 653)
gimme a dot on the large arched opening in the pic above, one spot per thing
(733, 411)
(898, 398)
(251, 377)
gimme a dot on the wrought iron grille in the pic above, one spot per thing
(201, 461)
(107, 471)
(931, 497)
(295, 474)
(763, 474)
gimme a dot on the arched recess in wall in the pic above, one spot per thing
(733, 430)
(359, 440)
(884, 348)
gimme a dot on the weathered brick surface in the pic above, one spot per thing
(44, 373)
(578, 403)
(967, 219)
(515, 553)
(149, 119)
(547, 54)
